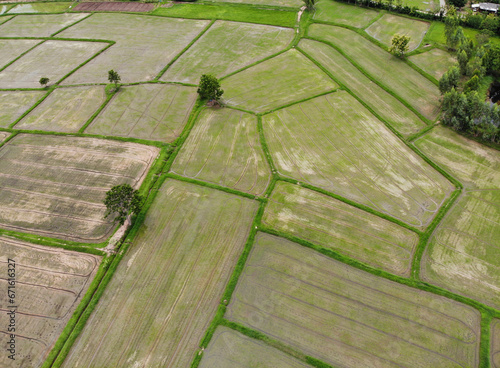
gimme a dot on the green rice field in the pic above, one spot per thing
(336, 12)
(14, 104)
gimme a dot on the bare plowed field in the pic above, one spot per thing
(290, 76)
(230, 349)
(224, 148)
(43, 25)
(11, 49)
(383, 103)
(15, 103)
(347, 317)
(49, 284)
(144, 45)
(149, 111)
(166, 290)
(227, 47)
(114, 6)
(52, 59)
(495, 344)
(65, 110)
(392, 72)
(55, 186)
(464, 253)
(333, 224)
(334, 143)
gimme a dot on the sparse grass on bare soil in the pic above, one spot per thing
(3, 136)
(464, 253)
(347, 317)
(49, 285)
(474, 164)
(11, 49)
(342, 13)
(54, 7)
(335, 225)
(15, 103)
(55, 185)
(227, 47)
(42, 25)
(435, 62)
(387, 106)
(389, 70)
(3, 9)
(148, 111)
(284, 79)
(166, 289)
(149, 44)
(495, 344)
(52, 59)
(334, 143)
(230, 349)
(65, 110)
(224, 148)
(386, 27)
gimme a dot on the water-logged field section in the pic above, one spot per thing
(388, 25)
(393, 73)
(149, 44)
(11, 49)
(475, 165)
(335, 225)
(55, 185)
(165, 291)
(64, 110)
(148, 111)
(230, 349)
(227, 47)
(347, 317)
(336, 12)
(464, 254)
(334, 143)
(435, 62)
(290, 76)
(51, 59)
(224, 148)
(49, 284)
(13, 104)
(38, 25)
(383, 103)
(495, 344)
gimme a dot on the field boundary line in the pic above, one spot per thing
(269, 159)
(71, 25)
(22, 54)
(420, 133)
(38, 102)
(380, 14)
(485, 343)
(109, 96)
(193, 41)
(6, 15)
(302, 100)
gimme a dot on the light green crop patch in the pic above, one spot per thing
(11, 49)
(335, 225)
(334, 143)
(347, 317)
(66, 55)
(64, 110)
(342, 13)
(463, 255)
(38, 25)
(229, 349)
(383, 103)
(389, 25)
(144, 45)
(13, 104)
(390, 71)
(227, 47)
(224, 148)
(286, 78)
(148, 111)
(435, 62)
(174, 274)
(54, 7)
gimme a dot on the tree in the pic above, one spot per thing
(122, 201)
(463, 59)
(457, 3)
(44, 81)
(114, 77)
(451, 25)
(400, 45)
(472, 84)
(491, 60)
(449, 80)
(209, 87)
(309, 4)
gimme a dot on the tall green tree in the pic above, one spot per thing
(122, 201)
(451, 26)
(309, 4)
(400, 45)
(209, 87)
(114, 77)
(44, 81)
(449, 80)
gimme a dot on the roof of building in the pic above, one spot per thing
(487, 6)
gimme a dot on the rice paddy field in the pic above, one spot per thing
(318, 217)
(50, 283)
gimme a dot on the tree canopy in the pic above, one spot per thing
(122, 201)
(209, 87)
(400, 45)
(114, 77)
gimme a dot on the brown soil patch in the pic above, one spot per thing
(114, 6)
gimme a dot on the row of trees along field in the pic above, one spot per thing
(464, 106)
